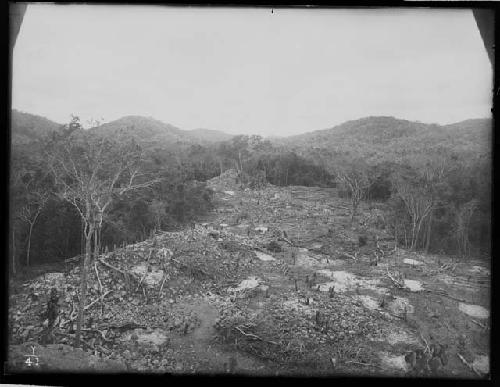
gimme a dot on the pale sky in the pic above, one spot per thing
(250, 70)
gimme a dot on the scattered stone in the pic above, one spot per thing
(250, 283)
(367, 301)
(264, 257)
(479, 270)
(344, 281)
(412, 262)
(151, 278)
(394, 362)
(413, 285)
(399, 305)
(474, 310)
(482, 364)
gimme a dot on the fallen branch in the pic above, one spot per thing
(112, 267)
(469, 365)
(97, 275)
(254, 336)
(286, 240)
(124, 273)
(425, 342)
(140, 282)
(97, 299)
(162, 283)
(351, 256)
(444, 294)
(478, 323)
(73, 315)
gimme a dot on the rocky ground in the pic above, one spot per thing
(273, 282)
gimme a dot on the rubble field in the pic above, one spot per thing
(273, 282)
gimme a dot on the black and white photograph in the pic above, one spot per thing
(250, 191)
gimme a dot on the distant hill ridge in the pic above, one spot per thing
(370, 137)
(382, 133)
(26, 127)
(146, 130)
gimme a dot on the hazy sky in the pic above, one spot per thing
(250, 70)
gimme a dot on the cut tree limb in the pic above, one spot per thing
(444, 294)
(97, 299)
(469, 365)
(254, 336)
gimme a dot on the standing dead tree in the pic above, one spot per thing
(355, 179)
(463, 218)
(37, 199)
(417, 203)
(418, 188)
(29, 195)
(90, 172)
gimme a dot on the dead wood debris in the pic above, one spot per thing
(469, 365)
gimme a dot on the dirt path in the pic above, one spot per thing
(197, 352)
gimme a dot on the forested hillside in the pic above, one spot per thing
(434, 179)
(387, 138)
(26, 127)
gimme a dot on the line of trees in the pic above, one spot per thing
(438, 201)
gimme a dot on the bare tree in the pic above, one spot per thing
(354, 177)
(463, 217)
(418, 188)
(29, 194)
(418, 204)
(89, 173)
(37, 199)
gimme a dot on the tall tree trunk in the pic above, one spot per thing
(414, 234)
(418, 233)
(405, 235)
(83, 283)
(428, 240)
(395, 236)
(82, 239)
(96, 243)
(29, 245)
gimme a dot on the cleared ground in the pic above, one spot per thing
(273, 282)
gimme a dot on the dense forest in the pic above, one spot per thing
(120, 182)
